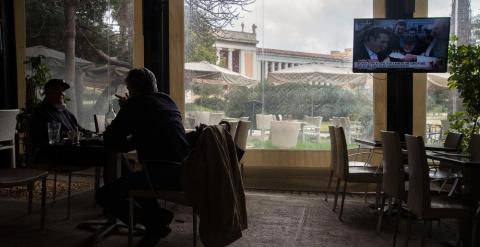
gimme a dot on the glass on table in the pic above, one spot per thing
(53, 132)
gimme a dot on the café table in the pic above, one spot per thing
(471, 173)
(90, 152)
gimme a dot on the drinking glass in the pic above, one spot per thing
(53, 132)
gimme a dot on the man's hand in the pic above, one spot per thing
(122, 99)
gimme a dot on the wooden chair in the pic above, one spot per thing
(354, 174)
(8, 121)
(240, 138)
(178, 197)
(427, 207)
(394, 176)
(22, 176)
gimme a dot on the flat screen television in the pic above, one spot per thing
(410, 45)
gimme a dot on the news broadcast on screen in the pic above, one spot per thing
(412, 45)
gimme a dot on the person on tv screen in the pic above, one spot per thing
(397, 41)
(374, 47)
(439, 39)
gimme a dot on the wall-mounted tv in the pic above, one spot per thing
(411, 45)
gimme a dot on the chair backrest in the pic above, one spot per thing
(474, 147)
(418, 180)
(264, 122)
(99, 120)
(316, 121)
(333, 149)
(8, 121)
(242, 133)
(342, 153)
(216, 117)
(393, 181)
(453, 140)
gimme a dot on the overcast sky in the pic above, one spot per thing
(317, 26)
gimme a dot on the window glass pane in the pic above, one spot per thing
(284, 67)
(100, 38)
(442, 101)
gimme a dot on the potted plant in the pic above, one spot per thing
(35, 80)
(464, 61)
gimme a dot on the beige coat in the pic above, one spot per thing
(214, 187)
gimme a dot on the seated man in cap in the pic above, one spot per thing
(53, 108)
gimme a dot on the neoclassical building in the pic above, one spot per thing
(238, 51)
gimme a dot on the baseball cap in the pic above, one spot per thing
(53, 83)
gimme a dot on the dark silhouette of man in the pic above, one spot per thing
(150, 123)
(374, 45)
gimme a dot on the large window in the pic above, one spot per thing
(98, 33)
(284, 67)
(441, 101)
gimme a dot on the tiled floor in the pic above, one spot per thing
(275, 219)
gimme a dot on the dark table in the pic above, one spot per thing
(470, 167)
(90, 152)
(378, 144)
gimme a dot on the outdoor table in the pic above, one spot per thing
(90, 152)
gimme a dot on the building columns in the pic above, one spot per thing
(241, 61)
(230, 59)
(218, 55)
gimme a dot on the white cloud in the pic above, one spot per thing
(316, 25)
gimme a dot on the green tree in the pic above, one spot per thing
(465, 77)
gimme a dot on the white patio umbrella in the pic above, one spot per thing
(318, 74)
(204, 72)
(438, 79)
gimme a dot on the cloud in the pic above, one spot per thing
(315, 25)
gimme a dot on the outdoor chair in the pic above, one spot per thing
(394, 176)
(333, 159)
(240, 138)
(422, 204)
(312, 127)
(8, 121)
(284, 134)
(216, 117)
(353, 174)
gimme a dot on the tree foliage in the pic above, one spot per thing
(465, 76)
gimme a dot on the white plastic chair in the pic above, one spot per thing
(216, 117)
(312, 127)
(285, 133)
(8, 122)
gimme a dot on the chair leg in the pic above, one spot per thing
(54, 193)
(43, 207)
(337, 188)
(343, 200)
(366, 193)
(194, 216)
(424, 233)
(97, 181)
(130, 221)
(69, 192)
(397, 224)
(30, 196)
(454, 186)
(442, 186)
(328, 185)
(409, 229)
(381, 213)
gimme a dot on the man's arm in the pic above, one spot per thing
(118, 135)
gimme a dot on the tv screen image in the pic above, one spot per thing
(412, 45)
